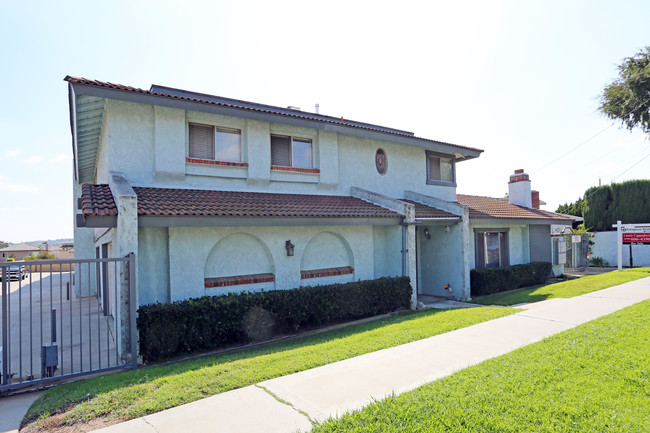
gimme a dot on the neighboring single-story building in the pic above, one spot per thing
(18, 251)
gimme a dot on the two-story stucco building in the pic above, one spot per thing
(216, 195)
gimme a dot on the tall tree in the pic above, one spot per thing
(627, 98)
(575, 209)
(628, 201)
(3, 244)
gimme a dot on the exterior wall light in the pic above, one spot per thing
(289, 246)
(427, 233)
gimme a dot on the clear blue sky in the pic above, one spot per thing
(519, 79)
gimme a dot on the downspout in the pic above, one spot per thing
(405, 268)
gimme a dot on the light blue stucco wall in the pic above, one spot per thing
(440, 260)
(387, 254)
(153, 265)
(149, 145)
(131, 141)
(406, 168)
(249, 250)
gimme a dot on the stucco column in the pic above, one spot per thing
(409, 259)
(125, 241)
(169, 155)
(328, 160)
(411, 263)
(259, 161)
(410, 252)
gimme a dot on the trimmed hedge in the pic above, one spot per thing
(628, 201)
(209, 322)
(493, 280)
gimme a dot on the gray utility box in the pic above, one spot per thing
(49, 360)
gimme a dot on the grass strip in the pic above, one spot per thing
(564, 289)
(152, 389)
(593, 378)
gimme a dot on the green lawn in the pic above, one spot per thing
(137, 393)
(593, 378)
(565, 289)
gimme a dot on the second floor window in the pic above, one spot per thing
(291, 151)
(440, 169)
(214, 143)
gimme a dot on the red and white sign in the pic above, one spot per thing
(630, 234)
(638, 235)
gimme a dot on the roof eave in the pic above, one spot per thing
(515, 221)
(72, 106)
(96, 221)
(223, 221)
(462, 152)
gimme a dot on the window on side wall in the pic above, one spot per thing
(441, 169)
(491, 248)
(291, 151)
(214, 143)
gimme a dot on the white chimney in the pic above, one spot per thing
(519, 191)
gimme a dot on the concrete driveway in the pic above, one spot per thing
(43, 310)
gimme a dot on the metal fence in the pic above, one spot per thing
(66, 318)
(571, 251)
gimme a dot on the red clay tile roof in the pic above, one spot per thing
(85, 81)
(192, 202)
(489, 207)
(425, 211)
(97, 200)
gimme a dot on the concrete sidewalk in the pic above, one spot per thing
(293, 402)
(13, 410)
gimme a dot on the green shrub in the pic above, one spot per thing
(43, 255)
(493, 280)
(11, 259)
(598, 262)
(210, 322)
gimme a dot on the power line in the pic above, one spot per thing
(611, 181)
(585, 142)
(637, 163)
(579, 145)
(616, 149)
(590, 138)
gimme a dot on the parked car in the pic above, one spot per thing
(17, 272)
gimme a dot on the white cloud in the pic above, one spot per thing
(34, 159)
(60, 158)
(6, 185)
(12, 153)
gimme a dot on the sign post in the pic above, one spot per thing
(630, 234)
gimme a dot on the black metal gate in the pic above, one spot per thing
(66, 318)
